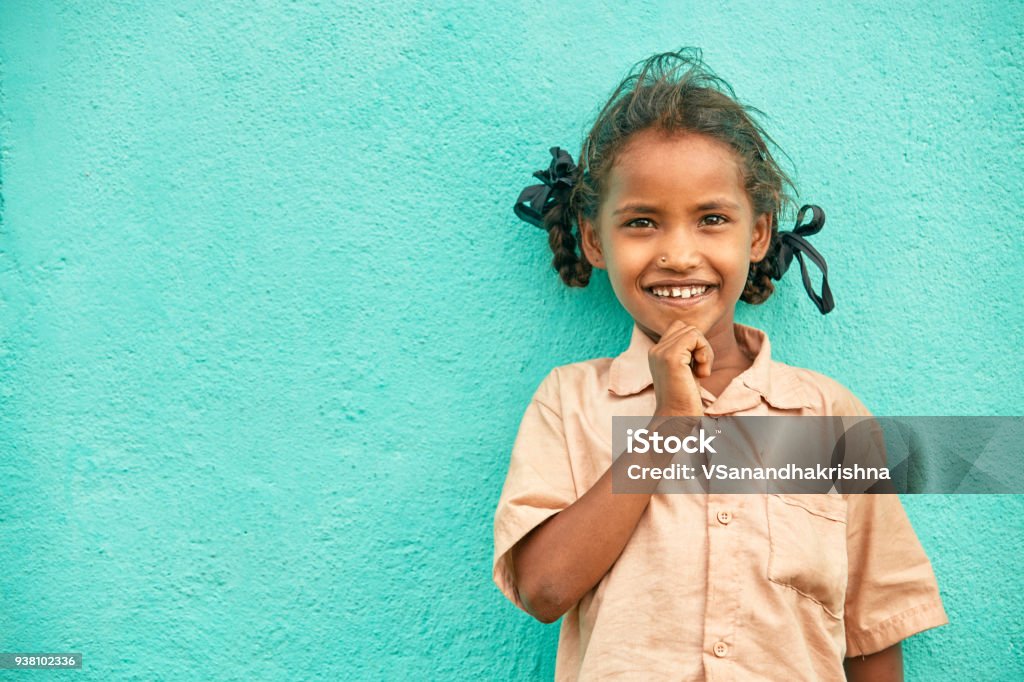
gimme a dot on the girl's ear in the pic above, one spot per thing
(761, 237)
(591, 242)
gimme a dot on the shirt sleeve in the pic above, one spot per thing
(539, 483)
(891, 593)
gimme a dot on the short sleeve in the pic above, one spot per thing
(891, 592)
(539, 483)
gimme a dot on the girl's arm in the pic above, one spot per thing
(883, 666)
(563, 558)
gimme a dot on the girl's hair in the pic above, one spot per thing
(676, 93)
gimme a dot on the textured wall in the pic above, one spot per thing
(269, 323)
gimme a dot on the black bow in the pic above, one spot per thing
(794, 243)
(558, 179)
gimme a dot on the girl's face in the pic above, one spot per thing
(676, 232)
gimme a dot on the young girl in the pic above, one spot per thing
(677, 197)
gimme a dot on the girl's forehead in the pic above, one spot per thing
(655, 163)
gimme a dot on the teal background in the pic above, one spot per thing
(269, 323)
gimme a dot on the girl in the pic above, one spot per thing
(677, 197)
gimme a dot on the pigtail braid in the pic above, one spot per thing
(570, 263)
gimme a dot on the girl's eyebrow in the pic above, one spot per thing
(717, 203)
(709, 205)
(635, 208)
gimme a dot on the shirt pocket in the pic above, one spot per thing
(807, 547)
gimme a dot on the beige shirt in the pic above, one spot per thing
(710, 586)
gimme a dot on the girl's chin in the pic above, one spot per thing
(657, 329)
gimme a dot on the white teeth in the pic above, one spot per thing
(679, 292)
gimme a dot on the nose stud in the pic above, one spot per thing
(662, 259)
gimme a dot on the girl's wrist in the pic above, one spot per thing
(669, 411)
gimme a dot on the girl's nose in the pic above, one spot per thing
(678, 253)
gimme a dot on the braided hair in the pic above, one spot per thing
(673, 92)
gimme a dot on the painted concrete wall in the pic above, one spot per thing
(269, 323)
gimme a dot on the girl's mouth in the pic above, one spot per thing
(680, 296)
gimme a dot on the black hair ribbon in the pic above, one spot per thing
(558, 179)
(794, 243)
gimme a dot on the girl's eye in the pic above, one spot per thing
(640, 222)
(715, 219)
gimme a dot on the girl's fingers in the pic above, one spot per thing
(673, 346)
(703, 355)
(677, 331)
(685, 344)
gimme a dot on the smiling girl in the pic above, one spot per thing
(677, 198)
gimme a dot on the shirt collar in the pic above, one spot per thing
(765, 379)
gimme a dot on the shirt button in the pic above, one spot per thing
(724, 517)
(721, 649)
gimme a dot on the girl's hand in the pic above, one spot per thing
(682, 355)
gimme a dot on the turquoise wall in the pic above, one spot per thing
(269, 324)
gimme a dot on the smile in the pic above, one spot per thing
(690, 295)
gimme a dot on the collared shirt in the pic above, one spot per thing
(715, 586)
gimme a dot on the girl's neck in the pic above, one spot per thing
(728, 352)
(730, 360)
